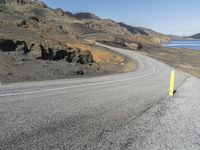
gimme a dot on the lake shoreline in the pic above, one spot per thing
(192, 44)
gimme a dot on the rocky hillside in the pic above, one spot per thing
(30, 32)
(40, 43)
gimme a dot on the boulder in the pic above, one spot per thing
(88, 57)
(36, 52)
(22, 47)
(77, 58)
(61, 54)
(59, 12)
(70, 56)
(80, 72)
(7, 45)
(20, 23)
(46, 53)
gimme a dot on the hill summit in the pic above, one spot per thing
(196, 36)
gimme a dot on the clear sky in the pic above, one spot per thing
(181, 17)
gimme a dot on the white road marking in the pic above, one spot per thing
(85, 85)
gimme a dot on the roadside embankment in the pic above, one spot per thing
(184, 59)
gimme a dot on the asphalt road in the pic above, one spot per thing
(80, 113)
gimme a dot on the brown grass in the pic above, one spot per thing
(183, 59)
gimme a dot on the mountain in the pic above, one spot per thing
(57, 28)
(31, 31)
(23, 2)
(196, 36)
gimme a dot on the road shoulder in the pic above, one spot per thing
(171, 124)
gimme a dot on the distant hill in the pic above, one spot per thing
(176, 37)
(196, 36)
(46, 23)
(132, 29)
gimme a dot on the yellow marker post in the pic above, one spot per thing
(172, 80)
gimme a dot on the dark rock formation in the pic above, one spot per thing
(7, 45)
(61, 54)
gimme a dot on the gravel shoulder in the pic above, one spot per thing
(171, 124)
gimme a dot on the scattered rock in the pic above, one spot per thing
(34, 18)
(20, 23)
(80, 72)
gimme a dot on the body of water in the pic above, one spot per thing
(189, 44)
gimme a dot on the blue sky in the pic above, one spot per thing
(181, 17)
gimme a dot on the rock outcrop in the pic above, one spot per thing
(39, 51)
(59, 11)
(24, 2)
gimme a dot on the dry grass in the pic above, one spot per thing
(183, 59)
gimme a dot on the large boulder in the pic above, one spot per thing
(70, 56)
(60, 54)
(22, 46)
(87, 57)
(47, 53)
(35, 52)
(7, 45)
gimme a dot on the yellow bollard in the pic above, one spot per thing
(172, 80)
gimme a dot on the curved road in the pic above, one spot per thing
(80, 113)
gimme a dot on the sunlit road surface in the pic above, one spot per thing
(81, 113)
